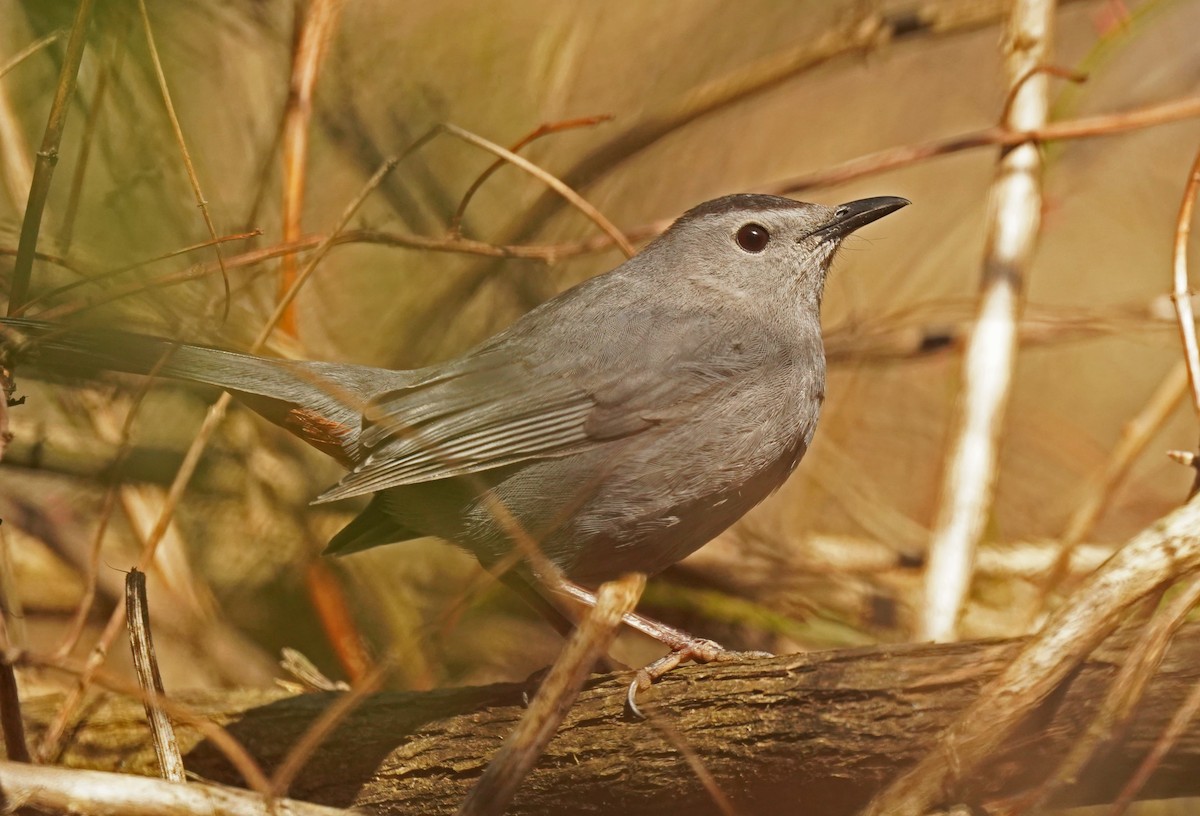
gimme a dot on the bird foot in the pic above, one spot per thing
(697, 650)
(531, 684)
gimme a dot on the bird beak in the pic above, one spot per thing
(854, 214)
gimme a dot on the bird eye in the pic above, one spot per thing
(753, 237)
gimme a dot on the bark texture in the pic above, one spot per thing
(824, 731)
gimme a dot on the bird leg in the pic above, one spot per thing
(527, 589)
(684, 647)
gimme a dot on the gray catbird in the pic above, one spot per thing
(619, 426)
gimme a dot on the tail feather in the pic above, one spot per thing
(373, 527)
(320, 402)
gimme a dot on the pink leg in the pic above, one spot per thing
(684, 647)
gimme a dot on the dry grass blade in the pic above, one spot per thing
(185, 716)
(10, 714)
(537, 133)
(1181, 293)
(332, 608)
(1126, 691)
(101, 277)
(695, 763)
(52, 740)
(63, 790)
(28, 51)
(117, 493)
(1174, 730)
(107, 75)
(303, 749)
(968, 479)
(870, 164)
(516, 757)
(1135, 436)
(1158, 555)
(18, 172)
(550, 181)
(11, 723)
(201, 202)
(43, 171)
(145, 665)
(285, 299)
(862, 33)
(319, 21)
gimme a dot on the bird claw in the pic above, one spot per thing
(697, 650)
(531, 685)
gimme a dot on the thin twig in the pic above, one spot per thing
(861, 34)
(28, 51)
(1103, 125)
(18, 172)
(550, 181)
(329, 603)
(10, 713)
(201, 202)
(84, 608)
(1161, 553)
(969, 475)
(43, 171)
(318, 255)
(1120, 703)
(539, 132)
(7, 389)
(116, 491)
(695, 763)
(895, 158)
(108, 73)
(521, 750)
(303, 749)
(52, 739)
(145, 666)
(1162, 746)
(317, 24)
(222, 740)
(1135, 436)
(109, 274)
(66, 790)
(12, 724)
(1181, 293)
(307, 676)
(1050, 70)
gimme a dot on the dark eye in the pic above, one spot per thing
(753, 237)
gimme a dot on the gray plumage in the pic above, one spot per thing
(620, 425)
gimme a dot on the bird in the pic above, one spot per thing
(615, 428)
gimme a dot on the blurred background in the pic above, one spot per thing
(698, 100)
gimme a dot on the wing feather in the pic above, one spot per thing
(507, 403)
(492, 413)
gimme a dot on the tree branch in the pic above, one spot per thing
(829, 729)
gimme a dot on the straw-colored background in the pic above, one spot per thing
(234, 581)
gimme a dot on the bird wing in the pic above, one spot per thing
(482, 412)
(498, 407)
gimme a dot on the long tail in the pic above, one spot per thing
(319, 402)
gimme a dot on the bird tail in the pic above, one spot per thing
(319, 402)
